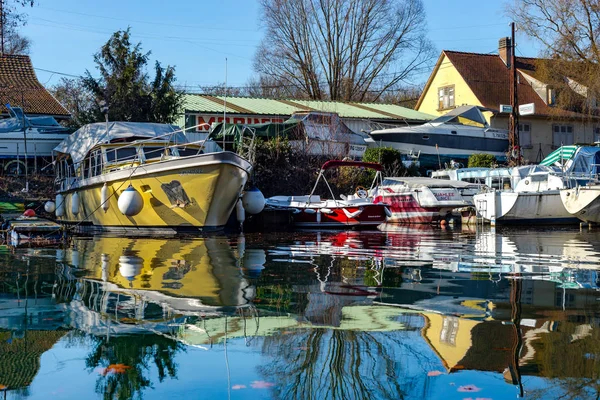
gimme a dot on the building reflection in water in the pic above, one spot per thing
(339, 315)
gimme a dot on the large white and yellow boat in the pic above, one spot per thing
(144, 177)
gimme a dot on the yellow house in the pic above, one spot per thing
(460, 78)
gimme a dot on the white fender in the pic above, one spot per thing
(354, 214)
(75, 203)
(240, 212)
(310, 210)
(104, 197)
(253, 200)
(318, 217)
(130, 202)
(130, 267)
(60, 205)
(49, 206)
(326, 210)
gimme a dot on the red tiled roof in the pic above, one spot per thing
(489, 79)
(19, 87)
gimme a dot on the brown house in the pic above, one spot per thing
(19, 87)
(461, 78)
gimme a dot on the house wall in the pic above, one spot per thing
(446, 75)
(542, 134)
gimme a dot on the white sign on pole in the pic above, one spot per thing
(505, 108)
(527, 109)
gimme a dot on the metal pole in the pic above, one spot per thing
(514, 116)
(225, 105)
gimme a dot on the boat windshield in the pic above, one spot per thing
(463, 115)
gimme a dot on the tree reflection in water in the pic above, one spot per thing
(345, 364)
(135, 356)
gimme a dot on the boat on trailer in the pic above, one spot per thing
(354, 210)
(141, 178)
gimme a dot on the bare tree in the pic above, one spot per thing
(343, 49)
(569, 31)
(76, 98)
(10, 19)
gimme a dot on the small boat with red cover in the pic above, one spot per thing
(354, 210)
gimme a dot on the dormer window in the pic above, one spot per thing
(550, 96)
(446, 97)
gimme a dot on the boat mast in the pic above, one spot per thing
(225, 106)
(513, 126)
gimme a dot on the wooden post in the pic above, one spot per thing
(513, 126)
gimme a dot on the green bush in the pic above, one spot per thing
(481, 160)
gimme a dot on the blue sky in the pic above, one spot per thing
(197, 36)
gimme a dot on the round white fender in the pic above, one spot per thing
(130, 202)
(60, 205)
(253, 200)
(310, 210)
(326, 210)
(354, 214)
(50, 206)
(75, 203)
(130, 267)
(104, 197)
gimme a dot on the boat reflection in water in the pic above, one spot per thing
(409, 312)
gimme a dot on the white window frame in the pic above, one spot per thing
(562, 135)
(525, 135)
(446, 97)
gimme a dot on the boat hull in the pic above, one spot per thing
(195, 193)
(582, 202)
(371, 215)
(405, 208)
(523, 208)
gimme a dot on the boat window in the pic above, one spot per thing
(121, 154)
(425, 137)
(186, 152)
(453, 132)
(153, 152)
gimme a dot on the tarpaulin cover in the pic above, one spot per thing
(560, 155)
(235, 132)
(84, 139)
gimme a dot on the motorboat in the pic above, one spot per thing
(423, 200)
(354, 210)
(144, 177)
(582, 198)
(456, 135)
(23, 137)
(533, 196)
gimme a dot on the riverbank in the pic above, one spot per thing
(14, 199)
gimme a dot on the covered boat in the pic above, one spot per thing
(354, 210)
(455, 135)
(144, 177)
(582, 198)
(423, 200)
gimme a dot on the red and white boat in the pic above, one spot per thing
(422, 200)
(354, 210)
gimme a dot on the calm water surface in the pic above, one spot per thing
(405, 313)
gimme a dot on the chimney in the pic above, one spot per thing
(504, 50)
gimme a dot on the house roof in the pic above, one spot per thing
(19, 87)
(196, 103)
(489, 79)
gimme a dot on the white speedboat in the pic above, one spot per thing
(423, 200)
(144, 177)
(532, 197)
(355, 210)
(455, 135)
(22, 136)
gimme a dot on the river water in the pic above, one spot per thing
(410, 312)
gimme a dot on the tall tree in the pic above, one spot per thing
(125, 86)
(343, 49)
(569, 32)
(10, 19)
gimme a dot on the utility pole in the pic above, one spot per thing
(2, 26)
(513, 126)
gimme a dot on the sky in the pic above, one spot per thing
(210, 41)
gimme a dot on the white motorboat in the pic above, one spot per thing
(455, 135)
(354, 210)
(22, 136)
(533, 196)
(423, 200)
